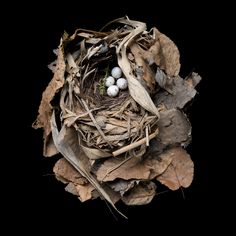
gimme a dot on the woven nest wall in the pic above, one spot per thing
(119, 138)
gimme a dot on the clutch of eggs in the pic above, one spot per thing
(121, 83)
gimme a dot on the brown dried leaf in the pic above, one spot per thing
(133, 168)
(140, 195)
(179, 172)
(158, 163)
(85, 192)
(65, 170)
(174, 128)
(45, 108)
(112, 169)
(164, 53)
(182, 91)
(77, 184)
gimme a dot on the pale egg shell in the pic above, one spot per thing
(116, 72)
(113, 91)
(109, 81)
(122, 83)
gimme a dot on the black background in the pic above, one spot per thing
(40, 199)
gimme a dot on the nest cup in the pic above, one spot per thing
(105, 123)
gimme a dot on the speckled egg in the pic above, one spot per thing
(109, 81)
(122, 83)
(116, 72)
(113, 91)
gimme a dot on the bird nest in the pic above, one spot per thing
(117, 145)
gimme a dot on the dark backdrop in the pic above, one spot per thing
(40, 198)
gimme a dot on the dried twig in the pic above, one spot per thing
(134, 145)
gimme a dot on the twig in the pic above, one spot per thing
(135, 144)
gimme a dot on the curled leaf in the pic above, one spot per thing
(164, 53)
(45, 108)
(137, 91)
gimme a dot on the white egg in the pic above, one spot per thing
(109, 81)
(112, 91)
(122, 83)
(116, 72)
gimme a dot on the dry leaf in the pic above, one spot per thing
(133, 168)
(181, 92)
(164, 53)
(114, 168)
(85, 192)
(65, 170)
(141, 194)
(77, 184)
(179, 172)
(45, 108)
(158, 163)
(174, 128)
